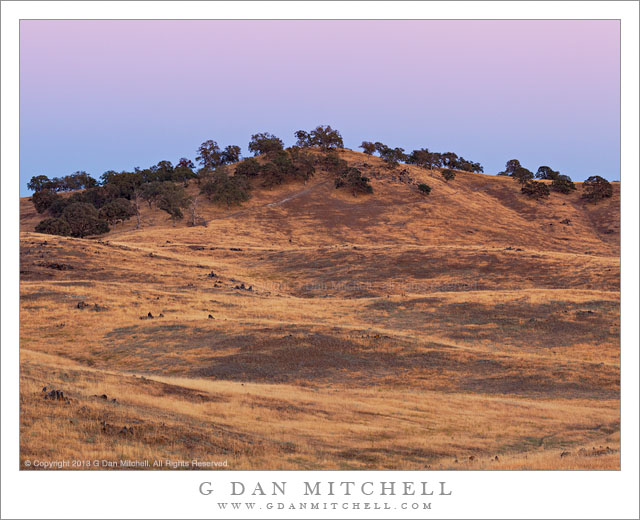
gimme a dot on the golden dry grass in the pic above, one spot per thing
(387, 332)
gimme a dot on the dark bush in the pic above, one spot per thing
(303, 163)
(353, 180)
(522, 175)
(56, 209)
(42, 200)
(54, 226)
(596, 188)
(150, 192)
(271, 175)
(448, 174)
(535, 190)
(425, 189)
(563, 184)
(173, 199)
(225, 190)
(332, 163)
(546, 173)
(83, 220)
(249, 168)
(117, 211)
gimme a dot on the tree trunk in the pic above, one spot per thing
(136, 199)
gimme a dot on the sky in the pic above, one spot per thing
(113, 95)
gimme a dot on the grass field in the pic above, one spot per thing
(470, 329)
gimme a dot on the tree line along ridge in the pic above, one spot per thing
(95, 205)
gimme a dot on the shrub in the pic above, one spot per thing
(54, 226)
(150, 192)
(535, 190)
(173, 199)
(271, 175)
(124, 184)
(83, 220)
(116, 211)
(56, 209)
(42, 200)
(368, 147)
(563, 184)
(249, 168)
(332, 163)
(354, 181)
(425, 189)
(546, 173)
(265, 143)
(596, 188)
(303, 163)
(224, 190)
(522, 175)
(448, 174)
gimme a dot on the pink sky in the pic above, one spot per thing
(100, 95)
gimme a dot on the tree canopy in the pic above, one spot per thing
(323, 136)
(265, 143)
(596, 188)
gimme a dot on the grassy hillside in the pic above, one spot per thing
(470, 328)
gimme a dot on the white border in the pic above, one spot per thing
(175, 495)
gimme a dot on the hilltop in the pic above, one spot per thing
(472, 208)
(312, 329)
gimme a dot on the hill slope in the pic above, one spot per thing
(383, 331)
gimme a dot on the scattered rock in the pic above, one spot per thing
(82, 305)
(54, 395)
(211, 317)
(566, 222)
(235, 249)
(212, 275)
(472, 458)
(126, 431)
(149, 315)
(160, 315)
